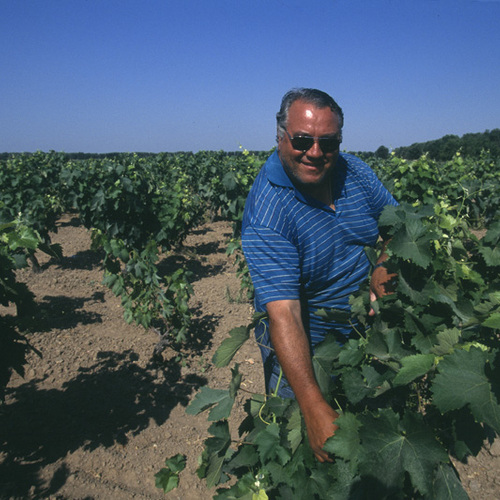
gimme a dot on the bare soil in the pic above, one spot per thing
(94, 417)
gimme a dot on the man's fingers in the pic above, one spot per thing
(322, 456)
(373, 298)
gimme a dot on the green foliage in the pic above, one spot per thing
(139, 206)
(168, 478)
(465, 188)
(30, 192)
(134, 200)
(136, 206)
(238, 183)
(237, 337)
(15, 239)
(219, 401)
(416, 382)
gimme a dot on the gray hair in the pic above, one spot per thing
(312, 96)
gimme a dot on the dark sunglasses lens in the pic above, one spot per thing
(305, 143)
(328, 145)
(302, 143)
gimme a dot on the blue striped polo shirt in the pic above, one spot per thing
(299, 248)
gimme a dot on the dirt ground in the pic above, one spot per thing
(95, 418)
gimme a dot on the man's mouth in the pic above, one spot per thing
(312, 166)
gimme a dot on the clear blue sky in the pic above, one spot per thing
(187, 75)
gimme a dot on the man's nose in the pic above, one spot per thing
(315, 150)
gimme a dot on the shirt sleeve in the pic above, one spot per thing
(273, 263)
(376, 193)
(379, 196)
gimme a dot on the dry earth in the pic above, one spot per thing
(94, 417)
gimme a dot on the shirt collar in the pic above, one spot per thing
(276, 172)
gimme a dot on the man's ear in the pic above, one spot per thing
(279, 139)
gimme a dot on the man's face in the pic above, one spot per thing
(309, 169)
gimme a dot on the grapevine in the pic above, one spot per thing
(416, 383)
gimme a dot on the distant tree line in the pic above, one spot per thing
(443, 149)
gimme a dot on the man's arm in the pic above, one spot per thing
(291, 344)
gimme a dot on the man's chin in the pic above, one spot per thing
(311, 181)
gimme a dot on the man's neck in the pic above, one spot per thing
(321, 192)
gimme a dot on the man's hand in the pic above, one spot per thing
(382, 283)
(319, 420)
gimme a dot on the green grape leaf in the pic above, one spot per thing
(376, 380)
(446, 341)
(176, 463)
(245, 457)
(325, 354)
(392, 447)
(269, 447)
(355, 386)
(493, 321)
(413, 243)
(396, 347)
(413, 367)
(222, 410)
(448, 296)
(345, 442)
(217, 451)
(294, 427)
(214, 470)
(221, 401)
(168, 478)
(234, 385)
(260, 495)
(462, 381)
(229, 346)
(415, 296)
(277, 405)
(336, 315)
(491, 255)
(377, 345)
(279, 475)
(242, 490)
(351, 354)
(208, 398)
(493, 234)
(23, 237)
(447, 485)
(320, 481)
(390, 216)
(345, 480)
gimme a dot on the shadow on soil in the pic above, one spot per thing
(86, 259)
(198, 269)
(56, 312)
(101, 406)
(67, 312)
(200, 335)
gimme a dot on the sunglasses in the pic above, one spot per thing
(305, 142)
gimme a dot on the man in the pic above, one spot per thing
(308, 217)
